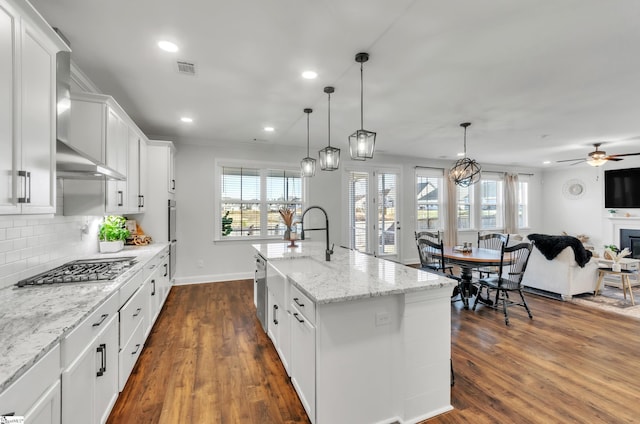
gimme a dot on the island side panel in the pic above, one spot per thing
(357, 360)
(427, 352)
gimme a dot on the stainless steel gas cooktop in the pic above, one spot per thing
(85, 270)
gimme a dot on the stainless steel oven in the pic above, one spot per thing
(172, 237)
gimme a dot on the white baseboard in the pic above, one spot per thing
(213, 278)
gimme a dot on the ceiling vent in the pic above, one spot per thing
(186, 68)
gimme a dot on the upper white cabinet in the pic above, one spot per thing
(101, 129)
(137, 171)
(28, 50)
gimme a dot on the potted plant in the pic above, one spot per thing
(112, 234)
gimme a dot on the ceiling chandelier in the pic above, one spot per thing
(465, 171)
(308, 164)
(362, 142)
(329, 156)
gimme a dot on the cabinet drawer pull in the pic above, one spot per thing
(102, 318)
(275, 314)
(8, 414)
(166, 270)
(173, 184)
(102, 350)
(137, 349)
(153, 291)
(137, 312)
(300, 320)
(120, 198)
(295, 299)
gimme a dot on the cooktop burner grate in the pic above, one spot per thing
(84, 270)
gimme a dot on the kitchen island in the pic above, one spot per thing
(364, 340)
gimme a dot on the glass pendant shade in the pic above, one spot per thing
(308, 167)
(329, 156)
(308, 164)
(465, 171)
(596, 161)
(362, 142)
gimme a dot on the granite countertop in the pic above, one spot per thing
(350, 275)
(33, 319)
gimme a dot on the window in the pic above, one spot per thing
(358, 189)
(523, 204)
(491, 202)
(250, 200)
(465, 201)
(429, 195)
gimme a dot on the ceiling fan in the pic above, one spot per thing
(598, 157)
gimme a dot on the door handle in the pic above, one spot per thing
(275, 314)
(153, 292)
(120, 198)
(102, 350)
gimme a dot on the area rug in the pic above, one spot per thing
(611, 299)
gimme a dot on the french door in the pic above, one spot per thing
(373, 211)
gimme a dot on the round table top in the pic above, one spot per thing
(476, 257)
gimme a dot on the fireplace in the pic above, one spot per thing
(631, 239)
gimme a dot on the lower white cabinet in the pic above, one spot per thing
(160, 284)
(279, 316)
(133, 321)
(90, 382)
(303, 360)
(36, 394)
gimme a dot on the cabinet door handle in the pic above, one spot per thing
(275, 314)
(300, 320)
(295, 299)
(166, 271)
(8, 414)
(153, 292)
(173, 184)
(137, 312)
(102, 318)
(120, 198)
(102, 350)
(137, 349)
(26, 187)
(141, 201)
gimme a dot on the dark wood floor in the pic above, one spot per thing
(208, 361)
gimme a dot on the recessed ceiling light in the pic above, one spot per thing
(186, 119)
(460, 154)
(167, 46)
(309, 75)
(269, 129)
(546, 162)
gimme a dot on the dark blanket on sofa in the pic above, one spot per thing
(551, 246)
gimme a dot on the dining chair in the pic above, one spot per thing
(431, 256)
(509, 278)
(429, 235)
(493, 241)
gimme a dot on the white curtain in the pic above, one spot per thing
(451, 230)
(511, 203)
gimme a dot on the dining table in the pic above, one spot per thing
(469, 259)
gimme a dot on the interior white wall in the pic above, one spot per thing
(201, 259)
(587, 214)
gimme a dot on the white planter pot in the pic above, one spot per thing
(111, 246)
(616, 267)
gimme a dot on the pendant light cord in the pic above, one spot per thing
(329, 120)
(465, 141)
(361, 99)
(307, 134)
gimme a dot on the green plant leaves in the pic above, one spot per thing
(113, 229)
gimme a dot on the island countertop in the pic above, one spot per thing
(350, 274)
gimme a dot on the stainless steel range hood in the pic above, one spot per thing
(71, 163)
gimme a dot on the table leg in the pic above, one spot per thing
(625, 280)
(599, 283)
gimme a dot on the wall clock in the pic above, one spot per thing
(574, 189)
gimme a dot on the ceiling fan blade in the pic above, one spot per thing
(623, 154)
(571, 160)
(612, 158)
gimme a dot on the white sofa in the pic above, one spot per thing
(561, 275)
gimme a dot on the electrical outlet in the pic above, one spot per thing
(382, 318)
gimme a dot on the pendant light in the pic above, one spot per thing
(329, 156)
(465, 171)
(308, 164)
(362, 142)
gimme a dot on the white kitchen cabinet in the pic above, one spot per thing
(137, 171)
(279, 315)
(160, 285)
(36, 394)
(171, 166)
(27, 111)
(133, 318)
(117, 151)
(90, 379)
(303, 359)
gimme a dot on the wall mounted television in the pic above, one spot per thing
(622, 188)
